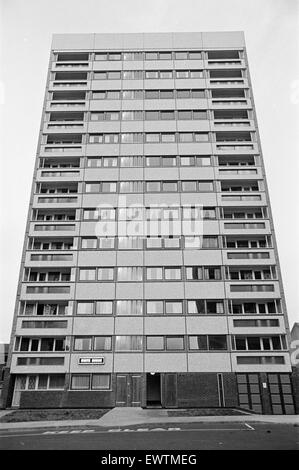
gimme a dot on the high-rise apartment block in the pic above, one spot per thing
(150, 274)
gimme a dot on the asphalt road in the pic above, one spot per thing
(185, 436)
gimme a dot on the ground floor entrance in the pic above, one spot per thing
(153, 390)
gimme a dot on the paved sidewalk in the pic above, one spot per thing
(119, 417)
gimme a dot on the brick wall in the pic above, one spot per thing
(230, 390)
(196, 389)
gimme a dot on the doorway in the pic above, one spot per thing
(153, 390)
(128, 390)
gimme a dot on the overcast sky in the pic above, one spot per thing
(271, 32)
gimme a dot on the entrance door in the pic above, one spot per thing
(153, 390)
(128, 390)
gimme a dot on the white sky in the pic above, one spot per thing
(271, 31)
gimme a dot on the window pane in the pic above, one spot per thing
(56, 381)
(172, 242)
(104, 307)
(153, 138)
(169, 186)
(217, 342)
(198, 342)
(87, 274)
(100, 382)
(128, 343)
(172, 273)
(168, 137)
(166, 74)
(166, 94)
(105, 274)
(102, 343)
(85, 308)
(153, 242)
(183, 93)
(90, 243)
(129, 307)
(82, 344)
(80, 382)
(154, 307)
(153, 186)
(196, 307)
(154, 274)
(174, 308)
(174, 343)
(189, 186)
(155, 343)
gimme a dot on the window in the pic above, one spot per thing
(151, 56)
(82, 343)
(113, 95)
(173, 308)
(100, 382)
(128, 343)
(132, 56)
(199, 342)
(102, 343)
(87, 275)
(151, 74)
(84, 308)
(129, 307)
(90, 214)
(181, 55)
(131, 186)
(131, 161)
(169, 186)
(210, 342)
(195, 55)
(106, 243)
(131, 273)
(154, 343)
(167, 115)
(196, 74)
(154, 274)
(189, 186)
(172, 243)
(152, 115)
(194, 273)
(56, 382)
(174, 343)
(152, 138)
(196, 307)
(105, 274)
(168, 161)
(114, 75)
(166, 94)
(167, 137)
(172, 273)
(217, 342)
(80, 382)
(182, 74)
(154, 307)
(151, 94)
(153, 186)
(199, 307)
(104, 307)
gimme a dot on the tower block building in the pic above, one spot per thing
(150, 274)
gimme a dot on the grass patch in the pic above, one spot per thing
(52, 415)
